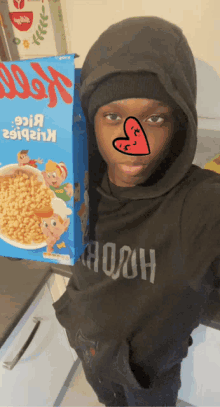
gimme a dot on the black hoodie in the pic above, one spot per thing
(142, 284)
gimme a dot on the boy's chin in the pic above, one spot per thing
(126, 180)
(128, 175)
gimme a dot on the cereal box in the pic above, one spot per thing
(44, 207)
(32, 27)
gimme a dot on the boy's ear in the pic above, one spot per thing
(66, 224)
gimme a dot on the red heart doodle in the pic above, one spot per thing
(136, 142)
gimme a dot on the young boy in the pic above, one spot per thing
(24, 159)
(142, 285)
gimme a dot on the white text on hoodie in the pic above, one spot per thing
(109, 254)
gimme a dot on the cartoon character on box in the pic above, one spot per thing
(214, 164)
(54, 226)
(24, 159)
(54, 175)
(84, 211)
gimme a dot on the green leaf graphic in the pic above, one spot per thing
(43, 24)
(44, 17)
(41, 30)
(35, 40)
(39, 34)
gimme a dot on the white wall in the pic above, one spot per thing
(199, 19)
(85, 20)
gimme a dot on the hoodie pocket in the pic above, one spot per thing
(69, 315)
(83, 333)
(130, 374)
(79, 332)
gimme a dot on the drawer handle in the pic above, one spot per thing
(11, 365)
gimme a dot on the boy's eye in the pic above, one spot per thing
(111, 114)
(156, 117)
(152, 117)
(48, 174)
(53, 222)
(54, 175)
(45, 224)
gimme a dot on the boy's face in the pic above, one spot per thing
(24, 159)
(52, 226)
(54, 178)
(109, 125)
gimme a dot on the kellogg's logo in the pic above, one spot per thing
(22, 20)
(19, 4)
(44, 88)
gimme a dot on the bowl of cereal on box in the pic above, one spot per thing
(22, 191)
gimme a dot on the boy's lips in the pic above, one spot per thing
(132, 169)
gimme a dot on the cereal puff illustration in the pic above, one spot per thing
(77, 192)
(214, 164)
(83, 217)
(86, 193)
(24, 159)
(54, 175)
(54, 225)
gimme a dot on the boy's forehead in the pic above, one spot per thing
(52, 216)
(144, 102)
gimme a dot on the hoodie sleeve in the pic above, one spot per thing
(200, 230)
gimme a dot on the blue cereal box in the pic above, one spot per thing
(44, 206)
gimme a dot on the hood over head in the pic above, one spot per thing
(137, 45)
